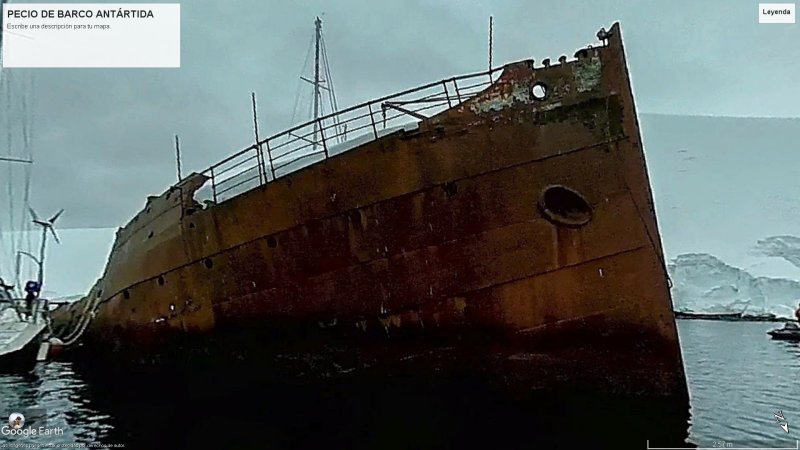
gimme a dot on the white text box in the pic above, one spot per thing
(92, 35)
(776, 12)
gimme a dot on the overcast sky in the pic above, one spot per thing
(722, 184)
(103, 138)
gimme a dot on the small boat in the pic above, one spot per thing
(789, 332)
(21, 331)
(20, 334)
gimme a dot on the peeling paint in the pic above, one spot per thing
(551, 106)
(520, 94)
(588, 73)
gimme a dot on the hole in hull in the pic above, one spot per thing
(564, 206)
(539, 90)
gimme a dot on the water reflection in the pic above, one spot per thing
(738, 378)
(53, 396)
(227, 410)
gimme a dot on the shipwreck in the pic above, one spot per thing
(501, 221)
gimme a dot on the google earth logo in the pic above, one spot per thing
(16, 421)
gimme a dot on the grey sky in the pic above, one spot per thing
(722, 184)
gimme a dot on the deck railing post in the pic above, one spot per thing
(213, 186)
(372, 119)
(322, 135)
(262, 173)
(458, 93)
(269, 155)
(447, 94)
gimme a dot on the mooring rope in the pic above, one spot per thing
(84, 318)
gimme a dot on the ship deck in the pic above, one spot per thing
(317, 140)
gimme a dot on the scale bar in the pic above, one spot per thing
(796, 447)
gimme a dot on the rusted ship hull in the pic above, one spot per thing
(509, 234)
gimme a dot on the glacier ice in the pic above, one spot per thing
(704, 283)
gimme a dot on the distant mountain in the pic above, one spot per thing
(703, 283)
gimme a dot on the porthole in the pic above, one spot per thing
(356, 218)
(450, 189)
(272, 242)
(565, 206)
(126, 295)
(161, 281)
(539, 90)
(208, 263)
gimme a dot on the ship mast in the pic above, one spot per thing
(320, 81)
(317, 37)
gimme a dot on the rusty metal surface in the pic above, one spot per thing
(434, 231)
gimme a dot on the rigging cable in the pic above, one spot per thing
(300, 82)
(24, 116)
(331, 92)
(29, 167)
(10, 169)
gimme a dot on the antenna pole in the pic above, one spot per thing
(178, 157)
(255, 115)
(262, 173)
(491, 23)
(317, 36)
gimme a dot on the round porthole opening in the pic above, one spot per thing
(539, 90)
(565, 206)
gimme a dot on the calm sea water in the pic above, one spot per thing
(738, 379)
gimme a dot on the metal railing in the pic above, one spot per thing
(335, 133)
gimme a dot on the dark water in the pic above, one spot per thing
(738, 379)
